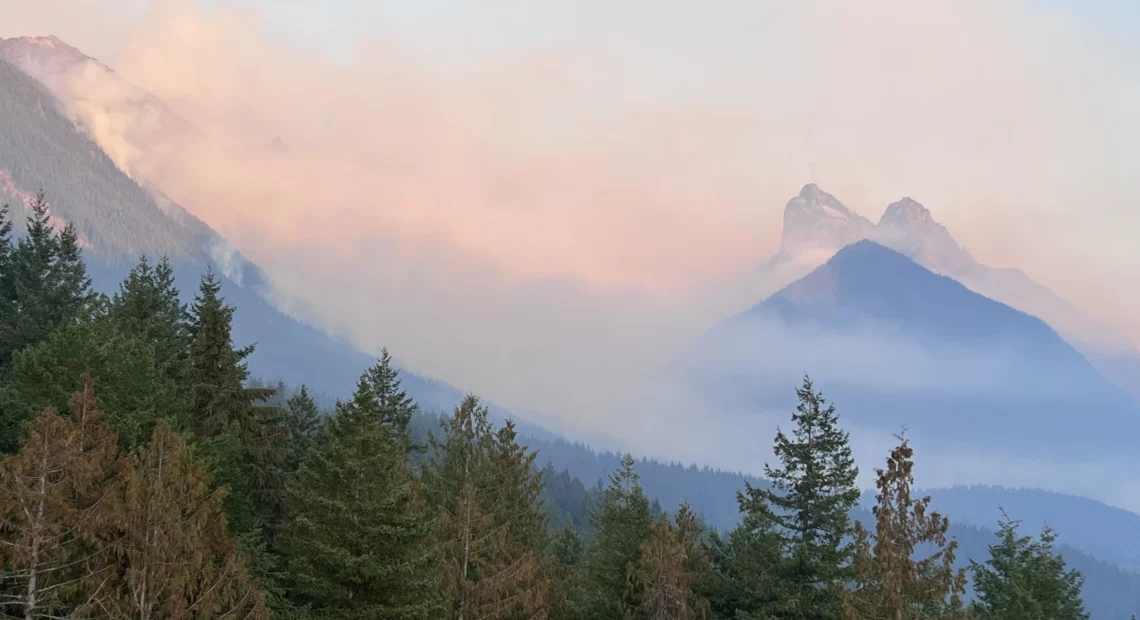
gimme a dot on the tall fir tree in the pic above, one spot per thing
(356, 546)
(303, 418)
(622, 525)
(46, 282)
(58, 511)
(672, 562)
(5, 237)
(889, 582)
(177, 559)
(245, 439)
(7, 286)
(218, 370)
(567, 553)
(397, 409)
(34, 254)
(147, 306)
(748, 578)
(1024, 579)
(809, 503)
(519, 507)
(490, 525)
(71, 292)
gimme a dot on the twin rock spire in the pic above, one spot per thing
(815, 220)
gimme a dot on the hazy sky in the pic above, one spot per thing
(532, 198)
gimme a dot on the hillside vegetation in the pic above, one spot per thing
(146, 475)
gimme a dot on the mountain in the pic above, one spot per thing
(41, 149)
(118, 219)
(48, 141)
(1094, 528)
(133, 126)
(815, 220)
(909, 228)
(817, 225)
(897, 344)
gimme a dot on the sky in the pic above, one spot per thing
(528, 197)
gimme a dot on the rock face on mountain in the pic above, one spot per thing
(817, 220)
(898, 344)
(908, 227)
(41, 149)
(817, 225)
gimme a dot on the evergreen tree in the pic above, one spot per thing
(566, 556)
(245, 440)
(621, 524)
(56, 508)
(519, 507)
(810, 501)
(70, 288)
(148, 307)
(889, 582)
(45, 283)
(177, 560)
(356, 547)
(7, 286)
(397, 409)
(303, 419)
(567, 501)
(491, 527)
(218, 371)
(671, 564)
(747, 580)
(5, 238)
(34, 254)
(1025, 580)
(134, 392)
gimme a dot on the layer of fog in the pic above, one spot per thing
(745, 444)
(551, 224)
(722, 402)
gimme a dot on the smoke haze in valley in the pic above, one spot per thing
(546, 202)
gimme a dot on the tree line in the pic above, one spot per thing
(145, 475)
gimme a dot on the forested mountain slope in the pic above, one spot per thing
(1095, 528)
(118, 220)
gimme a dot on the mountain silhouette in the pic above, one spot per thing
(895, 344)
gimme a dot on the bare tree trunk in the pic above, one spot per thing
(31, 597)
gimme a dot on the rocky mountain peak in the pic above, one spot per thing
(813, 198)
(908, 227)
(40, 54)
(907, 212)
(815, 219)
(817, 224)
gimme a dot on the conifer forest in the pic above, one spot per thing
(147, 475)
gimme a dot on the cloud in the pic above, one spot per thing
(544, 201)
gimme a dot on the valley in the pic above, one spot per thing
(895, 322)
